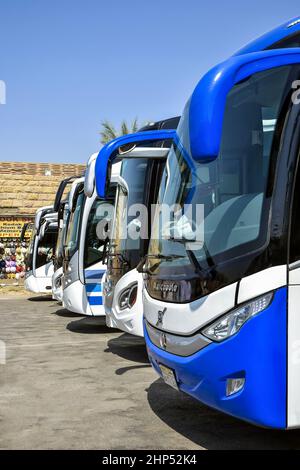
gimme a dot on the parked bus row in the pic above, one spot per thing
(216, 298)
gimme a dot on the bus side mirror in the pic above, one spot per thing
(24, 229)
(89, 177)
(206, 107)
(111, 151)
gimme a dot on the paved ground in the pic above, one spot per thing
(69, 382)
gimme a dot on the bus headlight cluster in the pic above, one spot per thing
(231, 323)
(58, 282)
(128, 297)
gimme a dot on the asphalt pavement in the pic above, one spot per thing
(69, 382)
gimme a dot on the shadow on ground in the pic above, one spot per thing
(128, 347)
(63, 312)
(40, 298)
(211, 429)
(90, 325)
(123, 370)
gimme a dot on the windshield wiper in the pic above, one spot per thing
(119, 255)
(192, 257)
(139, 267)
(165, 257)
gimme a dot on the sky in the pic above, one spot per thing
(70, 64)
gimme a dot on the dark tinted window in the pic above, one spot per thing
(59, 249)
(46, 247)
(72, 238)
(291, 41)
(94, 243)
(295, 226)
(29, 254)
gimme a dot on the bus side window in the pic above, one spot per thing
(295, 223)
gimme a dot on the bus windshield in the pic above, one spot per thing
(46, 246)
(29, 252)
(234, 190)
(72, 239)
(101, 211)
(124, 247)
(63, 227)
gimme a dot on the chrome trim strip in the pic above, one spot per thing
(294, 265)
(179, 345)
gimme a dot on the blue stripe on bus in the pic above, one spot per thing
(90, 288)
(94, 274)
(95, 300)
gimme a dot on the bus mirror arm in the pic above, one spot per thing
(65, 253)
(105, 252)
(140, 266)
(22, 235)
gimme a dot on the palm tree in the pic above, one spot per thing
(109, 131)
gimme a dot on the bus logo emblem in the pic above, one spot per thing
(160, 317)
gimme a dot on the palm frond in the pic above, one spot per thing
(124, 128)
(108, 132)
(134, 125)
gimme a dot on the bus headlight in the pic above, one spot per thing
(58, 282)
(232, 322)
(128, 297)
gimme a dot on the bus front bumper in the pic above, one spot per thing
(256, 354)
(131, 322)
(130, 318)
(38, 285)
(76, 300)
